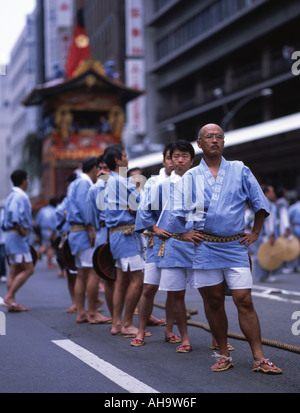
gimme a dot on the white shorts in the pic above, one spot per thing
(174, 279)
(84, 258)
(236, 278)
(134, 263)
(152, 274)
(17, 259)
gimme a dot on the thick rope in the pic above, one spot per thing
(266, 342)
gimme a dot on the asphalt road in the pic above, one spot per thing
(45, 351)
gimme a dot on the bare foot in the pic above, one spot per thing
(115, 331)
(98, 319)
(71, 309)
(81, 318)
(130, 331)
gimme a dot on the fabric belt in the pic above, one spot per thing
(207, 238)
(125, 229)
(14, 231)
(150, 235)
(78, 228)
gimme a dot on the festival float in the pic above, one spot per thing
(83, 113)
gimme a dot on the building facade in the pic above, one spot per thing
(17, 122)
(227, 62)
(105, 25)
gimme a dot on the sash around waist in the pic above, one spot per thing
(14, 231)
(207, 238)
(78, 228)
(125, 229)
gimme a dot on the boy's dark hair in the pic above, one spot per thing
(100, 159)
(167, 148)
(89, 163)
(110, 153)
(18, 177)
(53, 202)
(71, 177)
(183, 146)
(134, 170)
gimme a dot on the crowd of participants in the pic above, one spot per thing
(155, 245)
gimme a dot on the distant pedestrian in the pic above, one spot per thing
(46, 224)
(3, 277)
(82, 241)
(125, 244)
(18, 226)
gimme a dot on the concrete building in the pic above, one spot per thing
(17, 122)
(58, 32)
(41, 48)
(228, 62)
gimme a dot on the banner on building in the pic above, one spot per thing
(134, 28)
(135, 78)
(64, 13)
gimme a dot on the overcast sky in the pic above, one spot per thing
(12, 22)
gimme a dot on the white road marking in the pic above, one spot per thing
(275, 294)
(114, 374)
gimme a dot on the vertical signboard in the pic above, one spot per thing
(59, 21)
(135, 64)
(134, 28)
(64, 13)
(135, 78)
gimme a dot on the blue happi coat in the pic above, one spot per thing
(95, 216)
(76, 212)
(159, 203)
(147, 215)
(17, 212)
(216, 206)
(119, 195)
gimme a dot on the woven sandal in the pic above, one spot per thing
(184, 348)
(137, 342)
(173, 339)
(229, 347)
(223, 363)
(258, 367)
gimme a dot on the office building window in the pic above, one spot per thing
(201, 23)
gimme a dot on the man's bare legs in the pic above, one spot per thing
(214, 307)
(18, 275)
(86, 286)
(121, 284)
(248, 321)
(109, 293)
(180, 316)
(214, 299)
(133, 295)
(127, 291)
(146, 307)
(80, 293)
(71, 279)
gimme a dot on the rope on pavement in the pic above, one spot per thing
(266, 342)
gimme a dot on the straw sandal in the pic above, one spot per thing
(258, 367)
(173, 339)
(223, 363)
(229, 347)
(137, 342)
(184, 348)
